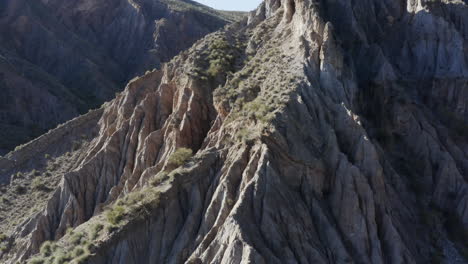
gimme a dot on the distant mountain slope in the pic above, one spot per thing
(60, 58)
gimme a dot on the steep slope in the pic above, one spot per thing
(61, 58)
(322, 132)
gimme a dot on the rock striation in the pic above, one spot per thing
(322, 132)
(58, 59)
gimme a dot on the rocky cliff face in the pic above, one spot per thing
(59, 59)
(322, 132)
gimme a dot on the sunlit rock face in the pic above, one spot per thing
(322, 132)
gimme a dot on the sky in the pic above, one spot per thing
(237, 5)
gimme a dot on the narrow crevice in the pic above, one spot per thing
(290, 10)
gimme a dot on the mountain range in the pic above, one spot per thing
(58, 59)
(310, 131)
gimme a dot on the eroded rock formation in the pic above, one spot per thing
(60, 58)
(323, 132)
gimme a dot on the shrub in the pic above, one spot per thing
(180, 156)
(47, 248)
(35, 173)
(47, 156)
(221, 57)
(20, 189)
(96, 229)
(38, 185)
(78, 251)
(69, 231)
(4, 200)
(159, 178)
(37, 260)
(77, 238)
(245, 134)
(115, 215)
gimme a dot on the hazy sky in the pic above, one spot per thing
(239, 5)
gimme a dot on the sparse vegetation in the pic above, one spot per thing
(95, 231)
(245, 134)
(220, 57)
(115, 215)
(51, 253)
(180, 156)
(36, 260)
(47, 248)
(20, 189)
(159, 178)
(229, 16)
(77, 238)
(38, 184)
(4, 200)
(77, 252)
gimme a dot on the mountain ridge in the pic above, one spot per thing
(66, 58)
(315, 139)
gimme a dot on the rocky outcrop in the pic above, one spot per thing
(317, 139)
(60, 59)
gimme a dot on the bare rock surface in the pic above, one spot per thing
(322, 132)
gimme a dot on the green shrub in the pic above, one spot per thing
(96, 229)
(69, 231)
(3, 237)
(78, 251)
(38, 184)
(180, 156)
(245, 134)
(36, 260)
(77, 238)
(115, 215)
(159, 178)
(221, 57)
(47, 248)
(47, 156)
